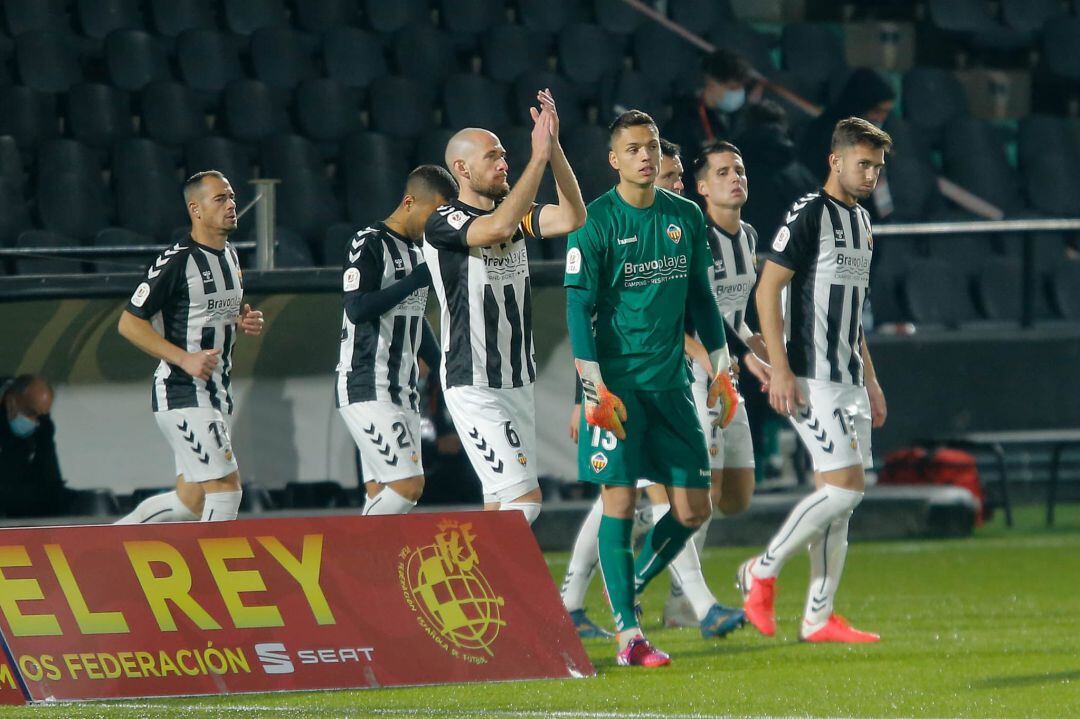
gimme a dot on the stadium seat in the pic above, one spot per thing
(966, 254)
(974, 157)
(661, 55)
(319, 16)
(47, 60)
(149, 196)
(46, 265)
(229, 158)
(1059, 42)
(14, 215)
(474, 101)
(374, 168)
(98, 18)
(135, 59)
(961, 16)
(998, 290)
(587, 151)
(26, 15)
(631, 90)
(290, 249)
(73, 203)
(471, 17)
(11, 163)
(1065, 290)
(586, 53)
(64, 155)
(314, 495)
(1037, 132)
(931, 98)
(208, 60)
(1053, 180)
(400, 107)
(567, 98)
(252, 112)
(284, 154)
(425, 54)
(244, 17)
(617, 17)
(934, 297)
(282, 57)
(547, 16)
(326, 110)
(332, 250)
(389, 17)
(508, 51)
(120, 237)
(28, 115)
(172, 113)
(173, 17)
(98, 114)
(256, 498)
(353, 57)
(699, 16)
(305, 201)
(812, 50)
(1029, 16)
(431, 147)
(742, 38)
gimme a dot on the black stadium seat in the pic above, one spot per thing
(305, 201)
(14, 215)
(173, 17)
(252, 112)
(28, 115)
(319, 16)
(567, 98)
(98, 115)
(933, 295)
(471, 17)
(135, 59)
(932, 97)
(47, 60)
(326, 110)
(474, 101)
(389, 17)
(172, 113)
(98, 18)
(353, 57)
(431, 147)
(43, 239)
(64, 155)
(400, 107)
(11, 163)
(509, 51)
(1065, 290)
(282, 57)
(244, 17)
(998, 290)
(974, 157)
(26, 15)
(812, 50)
(700, 16)
(586, 53)
(547, 16)
(231, 159)
(631, 90)
(120, 237)
(375, 167)
(425, 54)
(617, 17)
(208, 60)
(73, 204)
(661, 55)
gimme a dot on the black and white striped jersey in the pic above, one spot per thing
(829, 246)
(733, 270)
(192, 294)
(486, 300)
(377, 360)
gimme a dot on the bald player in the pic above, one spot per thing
(479, 264)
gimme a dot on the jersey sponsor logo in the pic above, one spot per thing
(141, 293)
(674, 233)
(501, 267)
(628, 240)
(852, 267)
(654, 272)
(225, 310)
(351, 279)
(457, 219)
(780, 241)
(598, 461)
(573, 261)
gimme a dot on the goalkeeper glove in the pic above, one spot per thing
(722, 392)
(602, 408)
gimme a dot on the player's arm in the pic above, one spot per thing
(142, 334)
(569, 214)
(784, 395)
(878, 410)
(501, 224)
(367, 305)
(602, 407)
(703, 312)
(429, 350)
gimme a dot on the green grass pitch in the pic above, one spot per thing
(981, 627)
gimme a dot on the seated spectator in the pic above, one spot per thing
(715, 111)
(30, 481)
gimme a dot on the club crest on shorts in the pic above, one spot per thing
(522, 459)
(598, 462)
(713, 450)
(854, 443)
(674, 233)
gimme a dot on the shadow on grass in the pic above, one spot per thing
(1029, 680)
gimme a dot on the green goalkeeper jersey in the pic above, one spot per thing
(636, 263)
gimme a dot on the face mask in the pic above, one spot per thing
(22, 426)
(732, 100)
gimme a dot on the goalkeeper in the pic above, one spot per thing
(638, 265)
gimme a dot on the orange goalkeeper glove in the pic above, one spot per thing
(722, 392)
(602, 407)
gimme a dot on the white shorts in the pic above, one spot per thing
(835, 425)
(199, 437)
(731, 446)
(388, 437)
(498, 431)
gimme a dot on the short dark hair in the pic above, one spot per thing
(195, 180)
(630, 118)
(433, 180)
(669, 148)
(18, 386)
(701, 162)
(765, 112)
(726, 66)
(857, 131)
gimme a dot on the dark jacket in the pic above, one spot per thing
(776, 178)
(30, 480)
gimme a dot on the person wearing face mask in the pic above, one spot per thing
(715, 111)
(30, 481)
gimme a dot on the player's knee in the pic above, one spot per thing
(732, 504)
(411, 489)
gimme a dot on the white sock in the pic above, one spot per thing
(221, 506)
(624, 637)
(387, 501)
(700, 535)
(805, 524)
(531, 510)
(685, 571)
(827, 555)
(165, 507)
(583, 559)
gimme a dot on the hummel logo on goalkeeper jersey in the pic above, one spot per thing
(628, 240)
